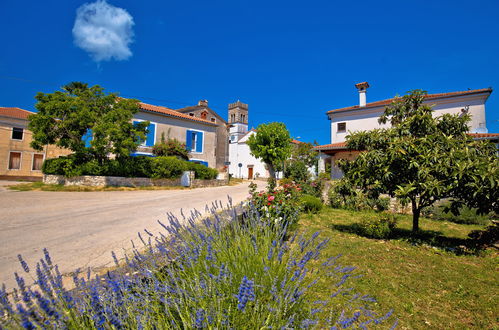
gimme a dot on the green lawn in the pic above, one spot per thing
(423, 280)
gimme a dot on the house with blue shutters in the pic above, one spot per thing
(199, 134)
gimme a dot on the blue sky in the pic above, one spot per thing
(291, 61)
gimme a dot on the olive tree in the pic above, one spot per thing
(421, 159)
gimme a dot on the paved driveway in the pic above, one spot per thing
(80, 229)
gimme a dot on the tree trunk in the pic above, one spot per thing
(415, 216)
(271, 171)
(271, 183)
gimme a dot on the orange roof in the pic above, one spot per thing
(484, 135)
(429, 96)
(338, 145)
(296, 141)
(173, 113)
(15, 112)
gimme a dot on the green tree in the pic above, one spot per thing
(272, 144)
(306, 153)
(422, 159)
(65, 117)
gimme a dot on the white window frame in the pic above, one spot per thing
(12, 133)
(155, 131)
(20, 161)
(33, 160)
(337, 127)
(193, 151)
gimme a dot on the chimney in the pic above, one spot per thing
(203, 103)
(362, 87)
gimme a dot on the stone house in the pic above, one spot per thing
(17, 159)
(364, 116)
(199, 134)
(203, 111)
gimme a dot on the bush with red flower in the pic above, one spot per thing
(280, 206)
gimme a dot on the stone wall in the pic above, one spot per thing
(116, 181)
(197, 183)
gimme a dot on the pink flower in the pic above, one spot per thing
(271, 198)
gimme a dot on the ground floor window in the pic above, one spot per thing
(37, 162)
(14, 160)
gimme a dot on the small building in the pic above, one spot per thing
(364, 117)
(17, 159)
(203, 111)
(199, 134)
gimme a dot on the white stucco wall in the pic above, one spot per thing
(367, 119)
(240, 153)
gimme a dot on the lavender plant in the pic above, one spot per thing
(234, 269)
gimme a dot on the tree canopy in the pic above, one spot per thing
(272, 144)
(66, 117)
(421, 159)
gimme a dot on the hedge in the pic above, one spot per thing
(139, 166)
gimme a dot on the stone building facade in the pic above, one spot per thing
(199, 134)
(17, 159)
(221, 145)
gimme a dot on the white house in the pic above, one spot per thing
(364, 117)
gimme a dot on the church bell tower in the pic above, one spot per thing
(238, 120)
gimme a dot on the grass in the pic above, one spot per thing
(424, 280)
(40, 186)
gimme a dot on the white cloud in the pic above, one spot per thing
(104, 31)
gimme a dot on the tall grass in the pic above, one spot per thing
(231, 270)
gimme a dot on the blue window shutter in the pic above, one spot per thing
(188, 140)
(151, 132)
(199, 142)
(87, 137)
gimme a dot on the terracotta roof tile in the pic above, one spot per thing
(173, 113)
(429, 96)
(338, 145)
(343, 145)
(484, 135)
(15, 112)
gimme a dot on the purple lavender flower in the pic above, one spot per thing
(246, 293)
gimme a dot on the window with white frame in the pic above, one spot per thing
(14, 160)
(342, 127)
(17, 133)
(37, 162)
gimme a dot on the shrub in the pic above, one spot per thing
(58, 166)
(171, 147)
(343, 195)
(281, 205)
(138, 166)
(482, 239)
(297, 171)
(310, 204)
(203, 172)
(465, 216)
(379, 227)
(167, 167)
